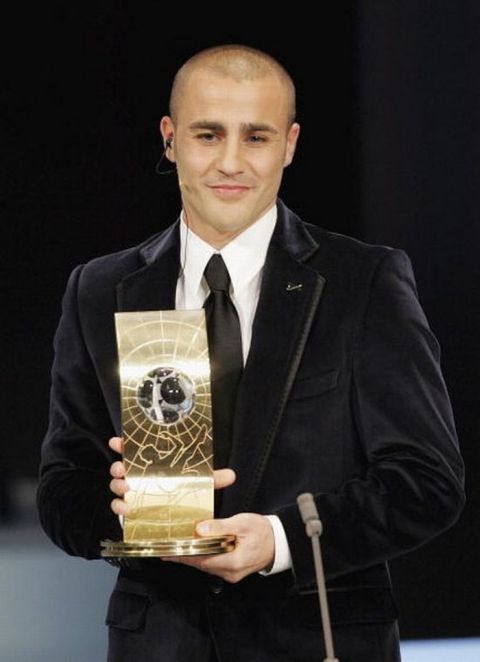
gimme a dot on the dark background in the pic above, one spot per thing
(388, 99)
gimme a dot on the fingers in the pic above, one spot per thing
(211, 528)
(223, 478)
(238, 525)
(119, 486)
(119, 507)
(117, 470)
(116, 444)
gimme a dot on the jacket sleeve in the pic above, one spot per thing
(412, 488)
(73, 495)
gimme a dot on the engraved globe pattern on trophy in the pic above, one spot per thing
(166, 421)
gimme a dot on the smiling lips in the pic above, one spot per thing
(229, 190)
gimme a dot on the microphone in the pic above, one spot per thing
(314, 528)
(309, 514)
(168, 145)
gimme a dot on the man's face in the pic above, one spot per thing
(231, 141)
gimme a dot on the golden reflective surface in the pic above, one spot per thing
(178, 547)
(167, 430)
(162, 509)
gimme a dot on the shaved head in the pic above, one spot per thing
(231, 134)
(241, 63)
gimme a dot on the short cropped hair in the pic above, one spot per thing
(234, 61)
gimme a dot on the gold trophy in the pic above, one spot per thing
(167, 433)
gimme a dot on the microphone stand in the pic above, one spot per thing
(313, 528)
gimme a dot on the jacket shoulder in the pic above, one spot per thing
(102, 274)
(357, 262)
(118, 264)
(345, 246)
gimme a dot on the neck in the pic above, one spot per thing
(217, 240)
(214, 237)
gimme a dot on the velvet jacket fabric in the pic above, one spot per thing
(342, 396)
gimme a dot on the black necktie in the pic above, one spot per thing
(226, 362)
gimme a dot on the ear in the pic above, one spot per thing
(291, 146)
(167, 130)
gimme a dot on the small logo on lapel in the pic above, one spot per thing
(294, 286)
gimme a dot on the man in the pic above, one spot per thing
(341, 395)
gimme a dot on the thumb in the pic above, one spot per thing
(213, 527)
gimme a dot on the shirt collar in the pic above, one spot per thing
(244, 256)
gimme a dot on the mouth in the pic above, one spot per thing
(228, 191)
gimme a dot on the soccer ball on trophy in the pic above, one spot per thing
(166, 395)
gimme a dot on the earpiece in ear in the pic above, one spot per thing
(168, 144)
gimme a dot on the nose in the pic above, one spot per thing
(229, 159)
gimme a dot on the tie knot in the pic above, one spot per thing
(216, 274)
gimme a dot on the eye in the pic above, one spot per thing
(206, 137)
(255, 139)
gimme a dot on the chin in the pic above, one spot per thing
(236, 225)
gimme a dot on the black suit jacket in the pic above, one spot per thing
(341, 396)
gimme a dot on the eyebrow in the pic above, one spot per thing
(245, 127)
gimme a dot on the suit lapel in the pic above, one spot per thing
(288, 300)
(153, 286)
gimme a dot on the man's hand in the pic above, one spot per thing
(254, 551)
(255, 546)
(118, 485)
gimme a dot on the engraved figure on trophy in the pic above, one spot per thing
(167, 431)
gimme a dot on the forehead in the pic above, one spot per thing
(208, 96)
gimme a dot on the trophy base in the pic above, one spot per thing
(168, 547)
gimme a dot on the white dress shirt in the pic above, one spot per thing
(244, 258)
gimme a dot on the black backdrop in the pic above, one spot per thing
(388, 99)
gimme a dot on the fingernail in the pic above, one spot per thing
(203, 528)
